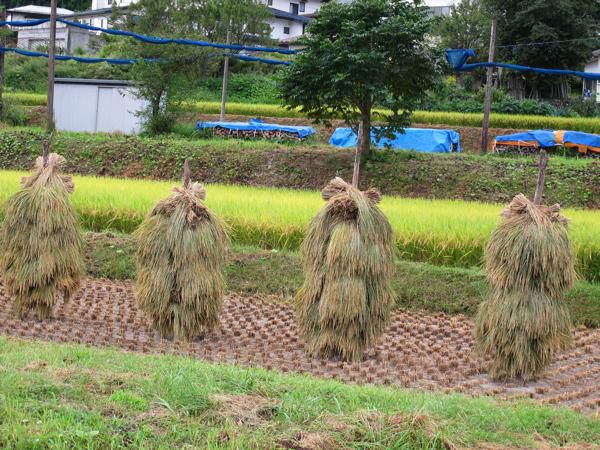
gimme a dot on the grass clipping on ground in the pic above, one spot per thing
(182, 250)
(346, 298)
(41, 241)
(530, 265)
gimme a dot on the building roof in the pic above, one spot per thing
(38, 10)
(279, 14)
(92, 81)
(94, 12)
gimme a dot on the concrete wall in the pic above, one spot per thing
(310, 7)
(277, 29)
(593, 67)
(97, 108)
(68, 39)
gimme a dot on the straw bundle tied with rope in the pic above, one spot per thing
(182, 249)
(41, 240)
(346, 298)
(530, 265)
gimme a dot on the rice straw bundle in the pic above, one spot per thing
(530, 265)
(182, 249)
(41, 241)
(346, 298)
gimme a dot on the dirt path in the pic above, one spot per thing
(432, 352)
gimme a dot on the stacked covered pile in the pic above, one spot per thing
(530, 265)
(41, 241)
(346, 298)
(180, 262)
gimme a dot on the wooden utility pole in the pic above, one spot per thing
(186, 174)
(51, 52)
(3, 44)
(487, 104)
(539, 188)
(225, 78)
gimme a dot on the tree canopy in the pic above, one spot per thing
(166, 82)
(467, 26)
(527, 23)
(358, 56)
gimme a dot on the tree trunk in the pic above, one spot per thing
(363, 145)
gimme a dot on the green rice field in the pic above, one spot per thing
(443, 232)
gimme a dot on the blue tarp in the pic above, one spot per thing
(258, 125)
(579, 138)
(419, 139)
(543, 138)
(550, 138)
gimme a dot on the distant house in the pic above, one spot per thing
(68, 39)
(591, 88)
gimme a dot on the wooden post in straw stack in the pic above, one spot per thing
(182, 249)
(530, 266)
(41, 239)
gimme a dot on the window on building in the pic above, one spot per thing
(109, 2)
(294, 8)
(270, 3)
(286, 30)
(302, 7)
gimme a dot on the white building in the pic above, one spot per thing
(288, 23)
(108, 106)
(592, 87)
(441, 7)
(68, 39)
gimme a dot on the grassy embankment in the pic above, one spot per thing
(489, 178)
(70, 396)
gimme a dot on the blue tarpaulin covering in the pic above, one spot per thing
(583, 142)
(541, 138)
(579, 138)
(258, 125)
(419, 139)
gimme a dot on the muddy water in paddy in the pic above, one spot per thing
(419, 350)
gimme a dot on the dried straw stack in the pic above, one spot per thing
(346, 298)
(530, 265)
(182, 249)
(41, 240)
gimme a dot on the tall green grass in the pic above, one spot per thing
(26, 99)
(443, 232)
(521, 122)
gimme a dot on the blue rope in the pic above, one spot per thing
(77, 58)
(151, 39)
(133, 61)
(576, 73)
(457, 59)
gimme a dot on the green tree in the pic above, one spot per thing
(360, 55)
(164, 83)
(467, 26)
(528, 23)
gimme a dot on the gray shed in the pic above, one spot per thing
(97, 106)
